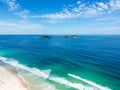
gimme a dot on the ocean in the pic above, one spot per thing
(91, 62)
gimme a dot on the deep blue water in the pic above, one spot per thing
(94, 59)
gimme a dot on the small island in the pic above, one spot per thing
(44, 37)
(71, 36)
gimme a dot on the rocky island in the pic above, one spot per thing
(44, 37)
(71, 36)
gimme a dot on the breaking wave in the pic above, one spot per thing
(45, 74)
(90, 82)
(41, 73)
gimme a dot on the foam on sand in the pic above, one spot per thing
(44, 74)
(90, 82)
(31, 72)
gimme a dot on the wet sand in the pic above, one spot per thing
(9, 79)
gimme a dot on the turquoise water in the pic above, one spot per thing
(86, 63)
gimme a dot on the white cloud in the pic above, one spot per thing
(61, 15)
(103, 5)
(91, 11)
(114, 4)
(78, 2)
(12, 4)
(115, 20)
(83, 10)
(108, 19)
(23, 14)
(65, 14)
(20, 25)
(78, 10)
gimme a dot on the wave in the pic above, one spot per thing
(45, 74)
(78, 86)
(90, 82)
(41, 73)
(34, 71)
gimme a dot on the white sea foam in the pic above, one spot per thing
(3, 58)
(78, 86)
(45, 74)
(90, 82)
(40, 73)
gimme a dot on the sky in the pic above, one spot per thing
(87, 17)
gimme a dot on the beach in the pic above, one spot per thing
(9, 79)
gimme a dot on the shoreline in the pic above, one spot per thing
(10, 80)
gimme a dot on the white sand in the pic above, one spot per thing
(10, 81)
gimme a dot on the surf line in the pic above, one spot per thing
(41, 73)
(89, 82)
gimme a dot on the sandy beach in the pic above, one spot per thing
(10, 81)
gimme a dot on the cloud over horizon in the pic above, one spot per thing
(82, 16)
(19, 27)
(81, 9)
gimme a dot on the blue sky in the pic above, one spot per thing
(60, 17)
